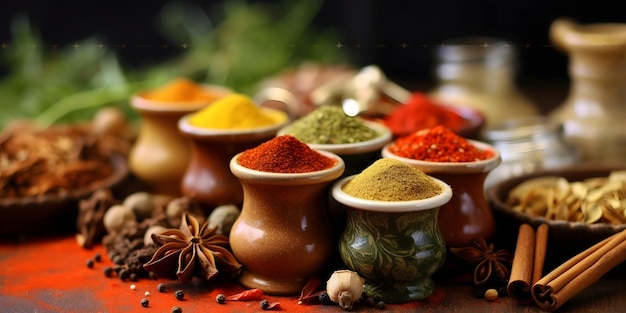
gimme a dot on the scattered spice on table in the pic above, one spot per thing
(392, 180)
(421, 112)
(330, 125)
(438, 144)
(181, 90)
(285, 154)
(235, 111)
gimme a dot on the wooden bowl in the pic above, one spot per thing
(563, 235)
(49, 213)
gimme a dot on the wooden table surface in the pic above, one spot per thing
(50, 275)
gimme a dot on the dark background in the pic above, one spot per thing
(372, 31)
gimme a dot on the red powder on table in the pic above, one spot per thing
(420, 112)
(438, 144)
(285, 154)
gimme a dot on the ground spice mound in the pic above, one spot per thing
(392, 180)
(331, 125)
(285, 154)
(438, 144)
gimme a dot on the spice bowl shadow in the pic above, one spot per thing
(395, 245)
(468, 214)
(356, 156)
(284, 234)
(208, 178)
(160, 155)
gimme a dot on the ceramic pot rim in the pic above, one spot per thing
(231, 134)
(390, 206)
(383, 138)
(140, 103)
(308, 178)
(481, 166)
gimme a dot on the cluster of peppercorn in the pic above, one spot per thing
(127, 225)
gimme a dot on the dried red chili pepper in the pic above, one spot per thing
(284, 154)
(310, 292)
(438, 144)
(247, 295)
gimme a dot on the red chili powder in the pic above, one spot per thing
(420, 112)
(438, 144)
(285, 154)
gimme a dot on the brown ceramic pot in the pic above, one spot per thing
(208, 178)
(160, 154)
(283, 236)
(467, 215)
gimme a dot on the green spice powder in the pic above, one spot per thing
(392, 180)
(330, 125)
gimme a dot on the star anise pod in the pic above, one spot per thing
(194, 250)
(489, 263)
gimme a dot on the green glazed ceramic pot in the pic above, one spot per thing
(395, 246)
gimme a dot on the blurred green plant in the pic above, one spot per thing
(236, 44)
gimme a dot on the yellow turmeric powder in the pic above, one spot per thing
(235, 111)
(181, 90)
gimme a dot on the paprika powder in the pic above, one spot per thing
(421, 112)
(438, 144)
(284, 154)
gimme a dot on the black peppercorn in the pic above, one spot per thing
(97, 257)
(90, 263)
(179, 294)
(324, 298)
(380, 305)
(153, 275)
(220, 298)
(177, 309)
(123, 274)
(108, 271)
(118, 260)
(265, 304)
(161, 287)
(145, 302)
(133, 277)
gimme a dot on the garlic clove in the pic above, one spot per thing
(345, 287)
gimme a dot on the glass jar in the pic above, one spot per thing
(527, 144)
(479, 72)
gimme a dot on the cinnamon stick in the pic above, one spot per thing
(528, 261)
(579, 272)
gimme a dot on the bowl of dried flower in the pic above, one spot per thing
(581, 204)
(45, 172)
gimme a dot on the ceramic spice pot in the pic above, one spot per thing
(160, 155)
(357, 141)
(467, 215)
(208, 178)
(395, 245)
(283, 235)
